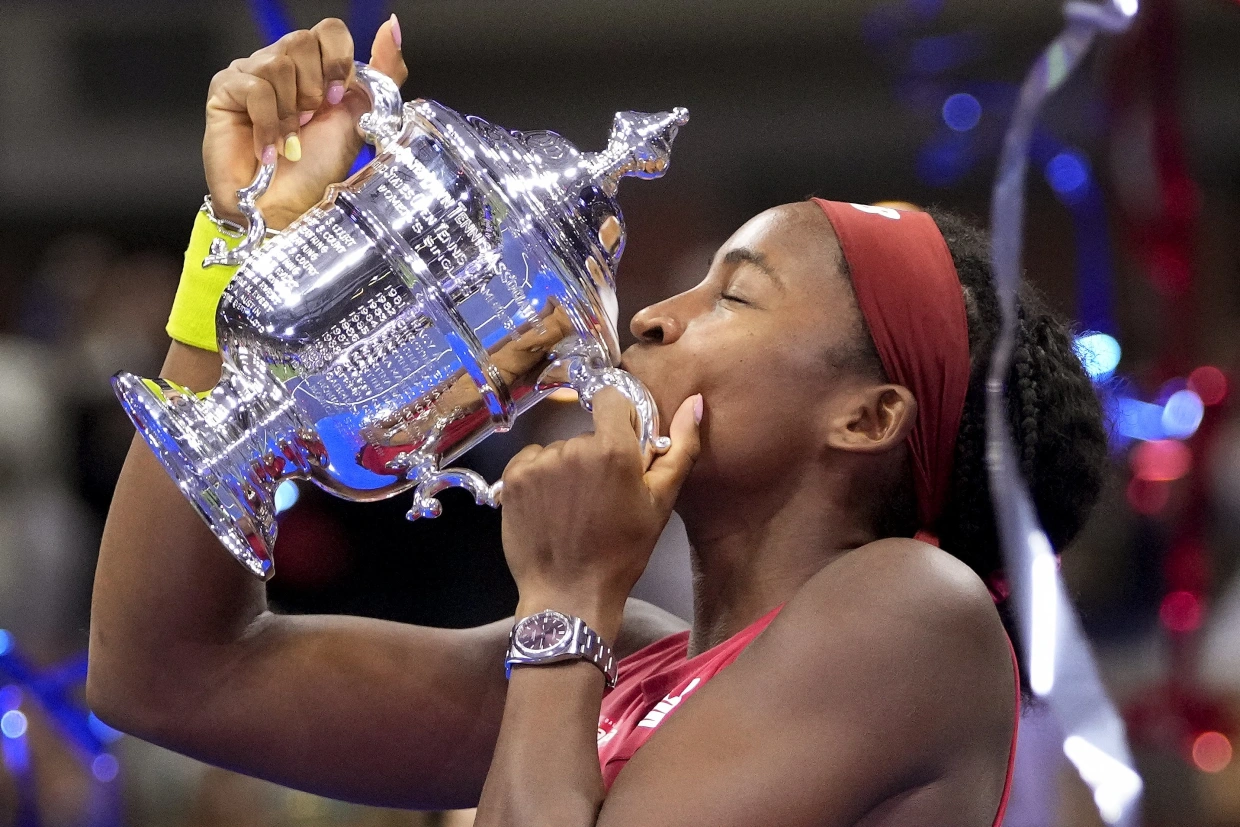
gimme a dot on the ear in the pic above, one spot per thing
(872, 419)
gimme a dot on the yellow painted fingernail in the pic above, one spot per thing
(292, 148)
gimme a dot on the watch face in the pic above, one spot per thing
(542, 631)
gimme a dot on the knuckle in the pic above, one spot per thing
(299, 40)
(331, 25)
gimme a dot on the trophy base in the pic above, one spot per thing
(238, 508)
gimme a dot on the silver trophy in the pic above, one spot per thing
(461, 276)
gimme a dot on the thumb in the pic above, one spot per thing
(668, 472)
(385, 52)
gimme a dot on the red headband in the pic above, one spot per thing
(910, 296)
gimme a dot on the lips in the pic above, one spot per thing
(635, 362)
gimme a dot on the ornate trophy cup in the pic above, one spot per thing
(422, 305)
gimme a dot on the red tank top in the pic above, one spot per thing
(653, 681)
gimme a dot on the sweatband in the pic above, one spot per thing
(192, 320)
(913, 304)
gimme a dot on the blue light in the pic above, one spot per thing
(1099, 354)
(1182, 414)
(286, 496)
(13, 724)
(6, 642)
(10, 698)
(1135, 419)
(1067, 172)
(961, 112)
(101, 730)
(105, 767)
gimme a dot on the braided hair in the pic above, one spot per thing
(1053, 411)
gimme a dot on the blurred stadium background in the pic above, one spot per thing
(1134, 217)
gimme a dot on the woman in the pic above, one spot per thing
(824, 389)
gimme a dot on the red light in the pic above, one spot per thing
(1162, 460)
(1180, 611)
(1147, 497)
(1211, 752)
(1209, 383)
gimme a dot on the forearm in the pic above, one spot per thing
(545, 772)
(165, 591)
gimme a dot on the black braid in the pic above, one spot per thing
(1055, 416)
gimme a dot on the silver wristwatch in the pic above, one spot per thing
(551, 637)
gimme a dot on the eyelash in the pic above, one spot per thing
(731, 298)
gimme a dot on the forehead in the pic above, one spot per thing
(795, 241)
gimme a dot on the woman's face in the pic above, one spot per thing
(765, 338)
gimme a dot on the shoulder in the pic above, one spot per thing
(898, 581)
(895, 627)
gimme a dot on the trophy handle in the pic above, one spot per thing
(586, 373)
(581, 371)
(380, 125)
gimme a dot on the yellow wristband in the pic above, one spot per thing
(192, 321)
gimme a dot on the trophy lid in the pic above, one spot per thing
(568, 195)
(640, 145)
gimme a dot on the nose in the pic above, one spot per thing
(656, 325)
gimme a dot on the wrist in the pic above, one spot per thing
(602, 614)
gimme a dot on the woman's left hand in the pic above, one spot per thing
(581, 517)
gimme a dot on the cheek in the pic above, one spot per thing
(762, 402)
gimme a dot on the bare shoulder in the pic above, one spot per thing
(902, 585)
(910, 625)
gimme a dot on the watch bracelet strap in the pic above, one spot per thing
(597, 652)
(593, 650)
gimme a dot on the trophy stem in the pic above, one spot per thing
(226, 451)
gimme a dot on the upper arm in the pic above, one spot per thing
(860, 689)
(354, 708)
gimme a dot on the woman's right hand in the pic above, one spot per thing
(295, 102)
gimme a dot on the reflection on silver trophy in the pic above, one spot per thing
(422, 305)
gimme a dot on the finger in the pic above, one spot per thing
(336, 56)
(668, 472)
(280, 72)
(385, 54)
(523, 457)
(242, 92)
(302, 47)
(615, 419)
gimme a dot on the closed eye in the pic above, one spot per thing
(732, 298)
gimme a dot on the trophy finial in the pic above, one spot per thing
(640, 144)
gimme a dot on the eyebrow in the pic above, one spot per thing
(745, 255)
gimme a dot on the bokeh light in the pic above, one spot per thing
(1182, 414)
(6, 642)
(286, 496)
(13, 724)
(1147, 497)
(1067, 172)
(1161, 460)
(961, 112)
(1099, 354)
(1211, 752)
(1209, 383)
(105, 767)
(1180, 611)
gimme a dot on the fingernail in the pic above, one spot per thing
(292, 148)
(335, 92)
(395, 31)
(269, 154)
(304, 118)
(697, 409)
